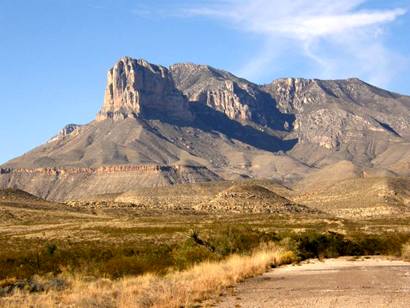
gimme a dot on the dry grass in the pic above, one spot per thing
(176, 289)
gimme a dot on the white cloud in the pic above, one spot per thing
(352, 35)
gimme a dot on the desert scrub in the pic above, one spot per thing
(131, 258)
(176, 289)
(330, 244)
(383, 243)
(405, 251)
(115, 260)
(90, 258)
(227, 240)
(324, 245)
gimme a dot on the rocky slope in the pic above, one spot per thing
(245, 196)
(346, 119)
(188, 123)
(250, 199)
(361, 197)
(238, 99)
(17, 205)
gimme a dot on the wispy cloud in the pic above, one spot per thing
(339, 37)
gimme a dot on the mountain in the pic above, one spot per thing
(190, 123)
(345, 119)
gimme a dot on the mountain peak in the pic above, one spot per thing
(200, 123)
(137, 88)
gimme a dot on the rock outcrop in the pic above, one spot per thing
(66, 131)
(349, 117)
(380, 110)
(136, 88)
(237, 98)
(218, 126)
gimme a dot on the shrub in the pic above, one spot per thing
(405, 251)
(114, 260)
(51, 248)
(317, 245)
(331, 244)
(190, 253)
(381, 244)
(231, 240)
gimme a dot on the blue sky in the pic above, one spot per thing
(54, 54)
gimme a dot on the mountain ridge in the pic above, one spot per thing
(196, 115)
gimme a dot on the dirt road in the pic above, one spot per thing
(374, 282)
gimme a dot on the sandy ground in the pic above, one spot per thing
(374, 282)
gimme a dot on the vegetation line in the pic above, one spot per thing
(175, 289)
(100, 274)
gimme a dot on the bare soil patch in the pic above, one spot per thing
(341, 282)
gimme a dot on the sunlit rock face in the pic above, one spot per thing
(338, 113)
(188, 123)
(237, 98)
(136, 88)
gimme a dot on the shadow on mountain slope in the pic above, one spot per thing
(210, 120)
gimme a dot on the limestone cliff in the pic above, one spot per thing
(214, 125)
(337, 114)
(237, 98)
(136, 88)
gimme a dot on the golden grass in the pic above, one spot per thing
(176, 289)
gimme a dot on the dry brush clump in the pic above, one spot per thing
(175, 289)
(405, 251)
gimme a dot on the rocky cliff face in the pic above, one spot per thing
(337, 114)
(136, 88)
(216, 89)
(218, 126)
(238, 99)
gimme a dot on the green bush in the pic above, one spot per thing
(405, 251)
(381, 244)
(330, 245)
(325, 245)
(191, 253)
(231, 240)
(51, 248)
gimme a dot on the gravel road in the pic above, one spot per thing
(371, 282)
